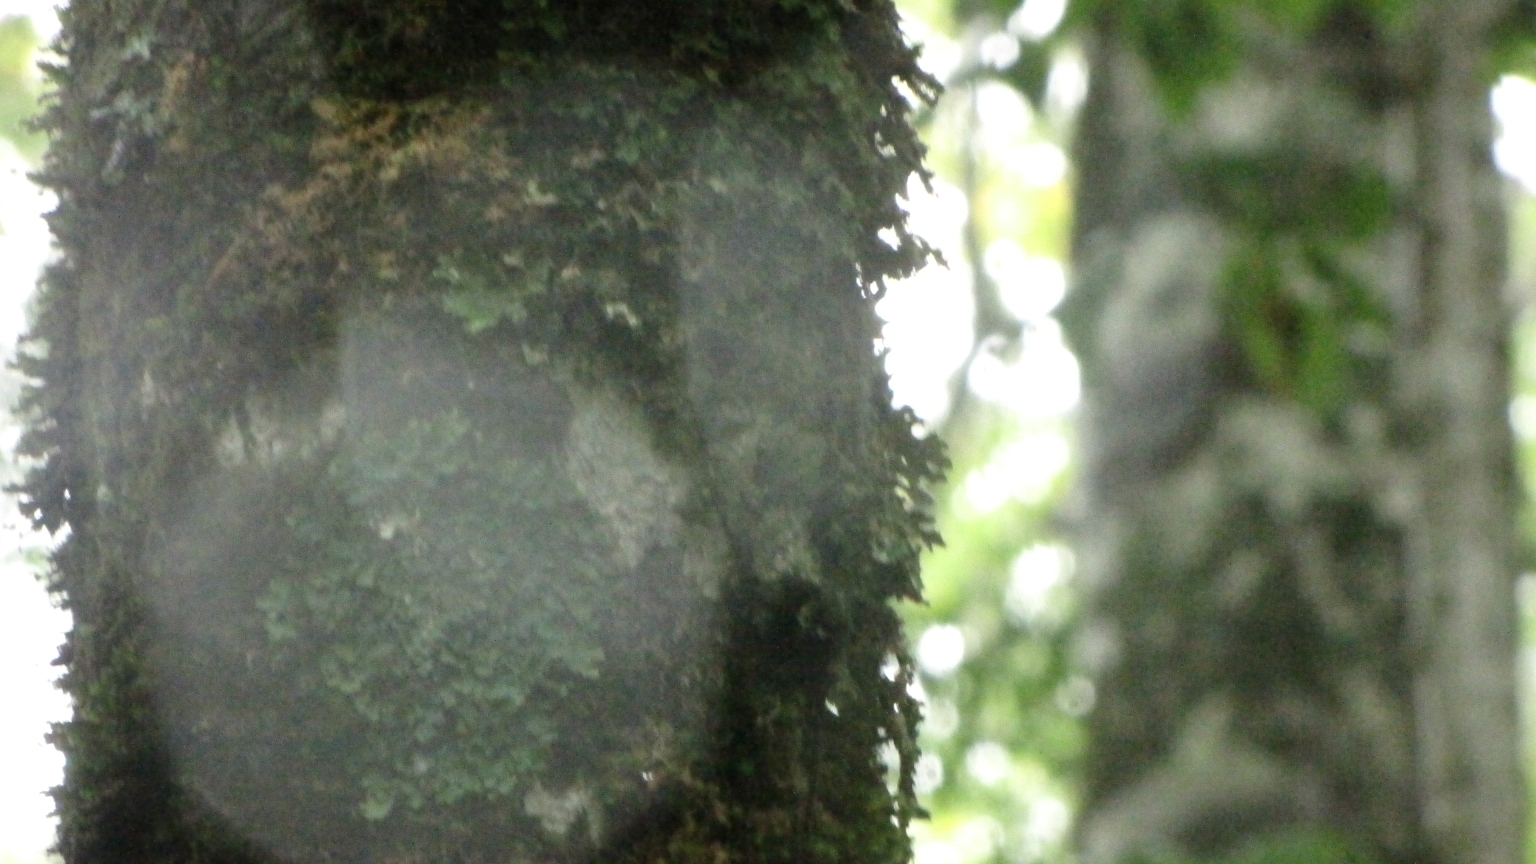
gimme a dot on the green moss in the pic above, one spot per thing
(493, 464)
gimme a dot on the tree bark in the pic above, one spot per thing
(1299, 490)
(467, 427)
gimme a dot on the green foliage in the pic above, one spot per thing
(1017, 660)
(1300, 312)
(19, 85)
(1188, 44)
(1310, 327)
(1192, 44)
(1292, 192)
(1032, 71)
(1000, 706)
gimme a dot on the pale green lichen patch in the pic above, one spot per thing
(617, 472)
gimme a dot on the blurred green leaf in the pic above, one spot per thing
(1286, 192)
(1302, 847)
(1188, 44)
(1032, 71)
(20, 86)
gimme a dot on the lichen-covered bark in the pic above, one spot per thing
(1453, 383)
(467, 426)
(1298, 492)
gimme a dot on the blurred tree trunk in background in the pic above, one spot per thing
(1298, 486)
(468, 433)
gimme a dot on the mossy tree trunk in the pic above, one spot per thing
(1299, 482)
(467, 426)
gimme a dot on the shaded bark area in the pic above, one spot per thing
(1453, 384)
(1298, 499)
(467, 426)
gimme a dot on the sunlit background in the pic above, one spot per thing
(1002, 737)
(31, 627)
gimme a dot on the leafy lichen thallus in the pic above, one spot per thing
(461, 579)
